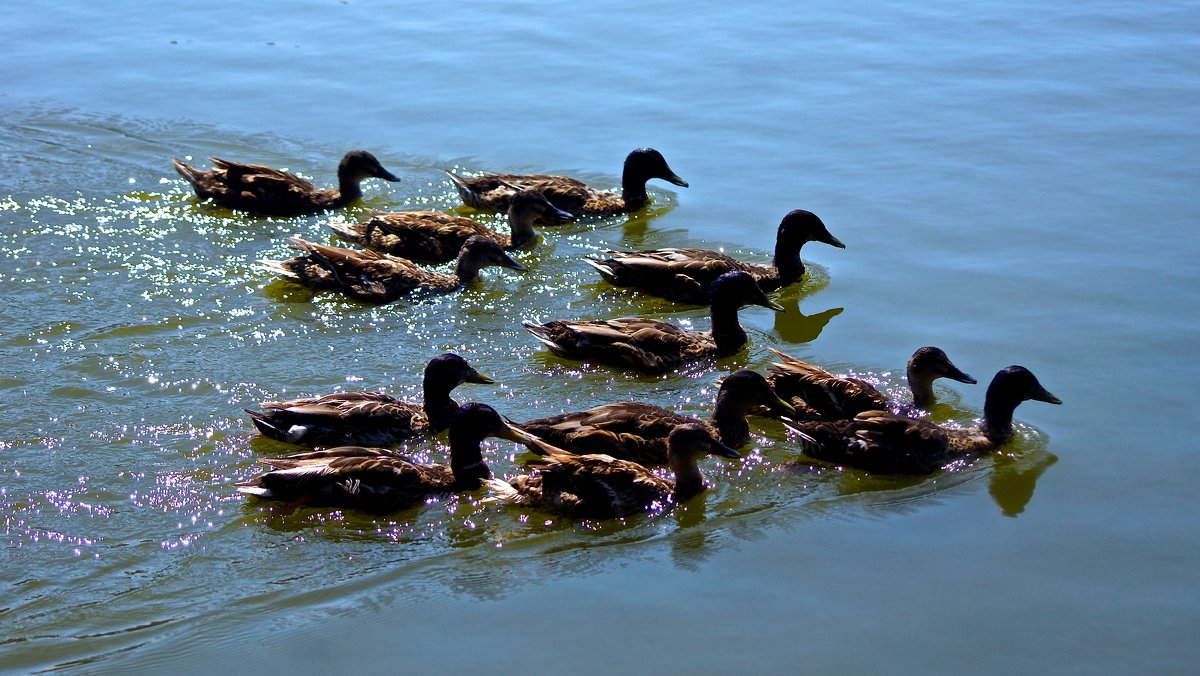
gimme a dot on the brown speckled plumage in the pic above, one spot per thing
(819, 395)
(369, 418)
(437, 237)
(883, 443)
(684, 275)
(654, 346)
(638, 432)
(600, 486)
(272, 192)
(380, 480)
(492, 192)
(373, 277)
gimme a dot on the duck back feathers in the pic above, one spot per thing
(272, 192)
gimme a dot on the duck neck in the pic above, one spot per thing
(348, 187)
(520, 226)
(997, 419)
(466, 459)
(787, 262)
(688, 479)
(438, 406)
(922, 389)
(633, 189)
(729, 417)
(727, 333)
(467, 269)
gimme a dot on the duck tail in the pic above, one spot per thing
(460, 184)
(344, 231)
(189, 173)
(605, 271)
(807, 441)
(540, 332)
(278, 267)
(263, 423)
(254, 488)
(501, 490)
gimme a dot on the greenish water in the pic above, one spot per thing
(1015, 183)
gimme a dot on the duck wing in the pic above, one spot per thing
(369, 418)
(820, 394)
(626, 430)
(374, 481)
(598, 486)
(883, 443)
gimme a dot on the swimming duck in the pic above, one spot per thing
(819, 395)
(603, 487)
(631, 430)
(373, 277)
(369, 418)
(882, 443)
(379, 480)
(271, 192)
(437, 237)
(684, 274)
(491, 192)
(653, 346)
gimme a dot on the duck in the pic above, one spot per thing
(369, 418)
(819, 395)
(652, 346)
(884, 443)
(382, 480)
(272, 192)
(437, 237)
(378, 278)
(683, 275)
(637, 431)
(603, 487)
(492, 192)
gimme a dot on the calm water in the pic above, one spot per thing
(1015, 182)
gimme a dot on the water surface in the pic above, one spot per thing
(1014, 183)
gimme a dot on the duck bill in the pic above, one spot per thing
(781, 408)
(717, 448)
(474, 376)
(829, 239)
(768, 303)
(558, 217)
(387, 175)
(506, 261)
(511, 432)
(672, 177)
(1042, 394)
(961, 377)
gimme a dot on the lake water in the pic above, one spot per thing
(1015, 182)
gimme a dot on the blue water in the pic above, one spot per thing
(1015, 183)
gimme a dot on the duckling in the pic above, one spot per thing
(683, 275)
(437, 237)
(491, 192)
(652, 346)
(635, 431)
(882, 443)
(820, 395)
(271, 192)
(379, 480)
(369, 418)
(373, 277)
(602, 487)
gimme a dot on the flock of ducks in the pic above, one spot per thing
(593, 463)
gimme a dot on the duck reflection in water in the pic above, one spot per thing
(796, 327)
(1014, 478)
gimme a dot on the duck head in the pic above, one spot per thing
(644, 164)
(357, 165)
(737, 289)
